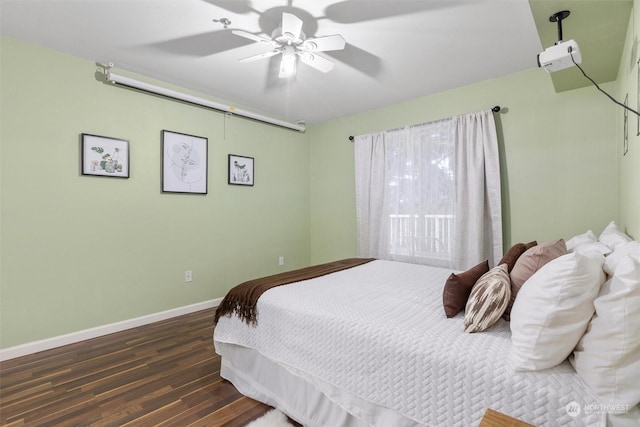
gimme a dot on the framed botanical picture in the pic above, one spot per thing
(105, 156)
(240, 170)
(184, 163)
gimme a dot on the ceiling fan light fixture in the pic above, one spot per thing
(287, 65)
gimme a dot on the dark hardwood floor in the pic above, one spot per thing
(162, 374)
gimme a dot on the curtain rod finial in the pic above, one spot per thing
(351, 138)
(496, 109)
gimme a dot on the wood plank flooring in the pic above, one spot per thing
(163, 374)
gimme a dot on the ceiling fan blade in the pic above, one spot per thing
(251, 36)
(260, 56)
(291, 26)
(317, 62)
(321, 44)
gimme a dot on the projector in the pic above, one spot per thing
(558, 56)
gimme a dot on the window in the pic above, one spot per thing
(421, 194)
(430, 193)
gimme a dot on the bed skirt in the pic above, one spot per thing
(261, 379)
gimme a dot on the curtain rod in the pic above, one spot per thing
(495, 109)
(157, 90)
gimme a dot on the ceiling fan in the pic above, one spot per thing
(290, 41)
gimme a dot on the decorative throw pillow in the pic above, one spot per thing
(553, 309)
(458, 287)
(608, 355)
(612, 236)
(530, 262)
(488, 299)
(514, 253)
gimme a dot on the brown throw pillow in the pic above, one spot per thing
(530, 262)
(458, 287)
(514, 253)
(488, 300)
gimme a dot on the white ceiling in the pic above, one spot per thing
(396, 49)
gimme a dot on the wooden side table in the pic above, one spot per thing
(493, 418)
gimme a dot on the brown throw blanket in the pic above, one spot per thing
(242, 299)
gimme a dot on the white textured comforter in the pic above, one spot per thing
(378, 331)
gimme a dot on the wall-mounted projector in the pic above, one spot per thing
(559, 56)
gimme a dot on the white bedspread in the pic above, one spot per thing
(379, 332)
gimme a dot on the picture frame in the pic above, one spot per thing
(184, 163)
(104, 156)
(241, 170)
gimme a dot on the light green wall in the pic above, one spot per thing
(629, 164)
(79, 252)
(558, 150)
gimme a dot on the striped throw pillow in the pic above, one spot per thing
(488, 300)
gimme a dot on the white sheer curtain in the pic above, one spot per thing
(430, 193)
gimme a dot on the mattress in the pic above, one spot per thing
(375, 342)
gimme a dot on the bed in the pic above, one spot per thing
(370, 345)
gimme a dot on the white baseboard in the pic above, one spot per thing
(49, 343)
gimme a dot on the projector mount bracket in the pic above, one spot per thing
(558, 17)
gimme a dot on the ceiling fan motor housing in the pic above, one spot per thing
(287, 38)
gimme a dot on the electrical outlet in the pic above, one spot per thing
(281, 260)
(188, 276)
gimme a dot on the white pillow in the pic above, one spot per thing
(622, 251)
(553, 309)
(597, 247)
(612, 236)
(588, 237)
(608, 356)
